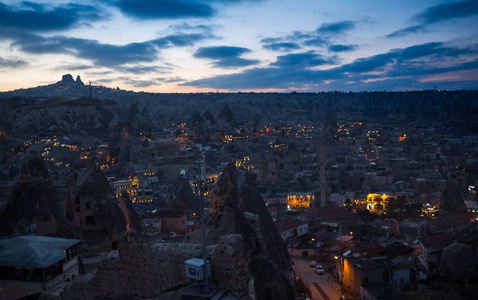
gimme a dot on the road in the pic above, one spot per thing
(318, 284)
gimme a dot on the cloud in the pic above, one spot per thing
(448, 11)
(180, 40)
(342, 48)
(140, 69)
(41, 18)
(107, 55)
(369, 64)
(319, 38)
(335, 28)
(396, 69)
(282, 46)
(435, 49)
(305, 60)
(73, 67)
(289, 70)
(104, 80)
(142, 83)
(225, 56)
(100, 54)
(439, 13)
(406, 31)
(10, 63)
(171, 9)
(317, 41)
(270, 40)
(165, 9)
(170, 79)
(190, 28)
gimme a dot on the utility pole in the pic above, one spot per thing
(203, 227)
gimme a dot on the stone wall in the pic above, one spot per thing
(146, 270)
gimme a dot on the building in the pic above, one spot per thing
(289, 228)
(357, 272)
(128, 185)
(378, 203)
(340, 199)
(173, 220)
(431, 248)
(32, 263)
(298, 201)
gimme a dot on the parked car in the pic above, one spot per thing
(319, 269)
(313, 263)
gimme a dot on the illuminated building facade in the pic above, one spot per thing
(378, 203)
(244, 163)
(299, 201)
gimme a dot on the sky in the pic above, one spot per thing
(171, 46)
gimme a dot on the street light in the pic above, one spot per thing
(316, 249)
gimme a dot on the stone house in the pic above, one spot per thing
(398, 253)
(289, 228)
(431, 248)
(359, 271)
(173, 220)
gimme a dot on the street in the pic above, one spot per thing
(319, 285)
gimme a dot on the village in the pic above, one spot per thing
(376, 204)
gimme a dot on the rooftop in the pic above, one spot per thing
(33, 251)
(398, 249)
(285, 224)
(329, 213)
(435, 239)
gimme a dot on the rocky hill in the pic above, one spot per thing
(430, 105)
(33, 201)
(28, 115)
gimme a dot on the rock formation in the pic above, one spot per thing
(33, 201)
(132, 218)
(293, 158)
(92, 206)
(237, 208)
(183, 194)
(453, 210)
(459, 261)
(78, 80)
(226, 115)
(209, 117)
(195, 118)
(66, 79)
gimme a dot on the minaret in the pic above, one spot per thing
(91, 91)
(322, 173)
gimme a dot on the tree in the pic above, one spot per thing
(366, 216)
(397, 204)
(413, 209)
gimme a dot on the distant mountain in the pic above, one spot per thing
(67, 87)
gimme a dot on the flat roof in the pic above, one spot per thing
(34, 251)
